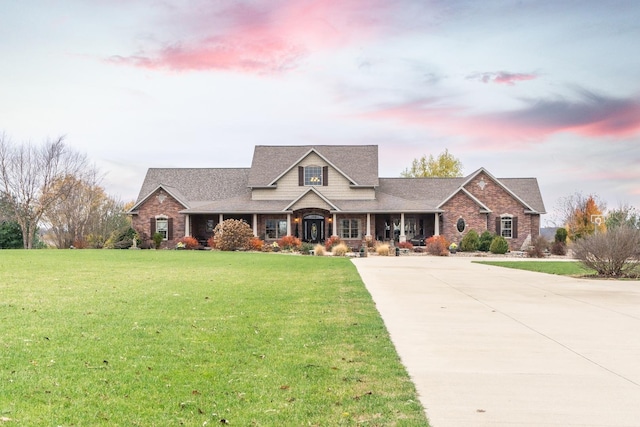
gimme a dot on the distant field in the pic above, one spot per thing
(195, 338)
(563, 268)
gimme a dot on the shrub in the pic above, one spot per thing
(82, 244)
(615, 253)
(499, 245)
(318, 250)
(331, 242)
(291, 243)
(470, 241)
(10, 235)
(382, 249)
(561, 235)
(484, 243)
(306, 248)
(437, 245)
(559, 248)
(538, 247)
(232, 235)
(157, 240)
(211, 242)
(340, 249)
(121, 238)
(255, 244)
(405, 245)
(187, 242)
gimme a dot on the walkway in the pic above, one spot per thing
(490, 346)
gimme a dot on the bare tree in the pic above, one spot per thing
(615, 253)
(28, 174)
(86, 216)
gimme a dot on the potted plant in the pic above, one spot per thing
(453, 248)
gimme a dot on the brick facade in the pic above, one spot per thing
(153, 207)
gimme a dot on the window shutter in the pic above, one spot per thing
(152, 228)
(325, 176)
(170, 227)
(514, 227)
(300, 176)
(498, 226)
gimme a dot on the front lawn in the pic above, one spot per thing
(563, 268)
(155, 338)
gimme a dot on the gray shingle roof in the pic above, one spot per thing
(197, 184)
(227, 190)
(358, 162)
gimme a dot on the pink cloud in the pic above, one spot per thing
(261, 37)
(592, 116)
(502, 77)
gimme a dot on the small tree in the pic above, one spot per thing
(232, 235)
(615, 253)
(10, 235)
(470, 242)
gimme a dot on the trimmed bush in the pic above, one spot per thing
(470, 242)
(232, 235)
(484, 243)
(382, 249)
(437, 245)
(318, 250)
(340, 249)
(499, 245)
(157, 240)
(561, 235)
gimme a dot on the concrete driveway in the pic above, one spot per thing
(491, 346)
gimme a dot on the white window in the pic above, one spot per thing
(313, 175)
(349, 229)
(506, 226)
(275, 228)
(162, 226)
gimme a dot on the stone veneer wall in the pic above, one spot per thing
(152, 207)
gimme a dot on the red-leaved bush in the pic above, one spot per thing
(255, 244)
(189, 242)
(437, 245)
(405, 245)
(331, 242)
(290, 243)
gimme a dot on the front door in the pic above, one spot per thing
(313, 228)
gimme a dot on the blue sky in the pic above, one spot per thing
(545, 89)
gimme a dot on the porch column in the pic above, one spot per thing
(436, 225)
(368, 236)
(255, 225)
(335, 226)
(288, 224)
(187, 225)
(403, 238)
(220, 218)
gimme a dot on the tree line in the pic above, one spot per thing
(51, 194)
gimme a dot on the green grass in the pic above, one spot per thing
(563, 268)
(158, 338)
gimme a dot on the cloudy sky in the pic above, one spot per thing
(546, 89)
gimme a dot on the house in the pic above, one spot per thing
(317, 191)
